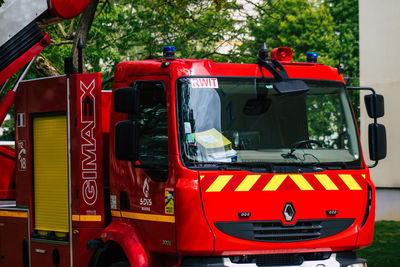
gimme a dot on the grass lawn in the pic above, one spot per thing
(385, 249)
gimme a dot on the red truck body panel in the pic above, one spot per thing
(7, 175)
(67, 9)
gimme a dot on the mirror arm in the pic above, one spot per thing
(373, 165)
(275, 68)
(351, 88)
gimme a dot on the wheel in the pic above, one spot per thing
(120, 264)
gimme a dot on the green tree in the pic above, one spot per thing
(132, 30)
(346, 54)
(345, 17)
(117, 30)
(300, 24)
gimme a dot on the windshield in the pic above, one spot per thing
(243, 121)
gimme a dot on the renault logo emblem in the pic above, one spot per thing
(288, 212)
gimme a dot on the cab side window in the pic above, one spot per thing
(152, 117)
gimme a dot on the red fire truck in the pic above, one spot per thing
(188, 162)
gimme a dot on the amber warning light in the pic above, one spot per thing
(282, 54)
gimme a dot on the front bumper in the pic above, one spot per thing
(341, 259)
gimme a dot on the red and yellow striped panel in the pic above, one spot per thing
(275, 182)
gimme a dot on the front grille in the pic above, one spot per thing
(275, 231)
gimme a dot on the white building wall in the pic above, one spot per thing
(379, 68)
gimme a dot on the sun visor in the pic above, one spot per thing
(291, 87)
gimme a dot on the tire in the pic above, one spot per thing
(120, 264)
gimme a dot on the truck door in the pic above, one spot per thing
(149, 199)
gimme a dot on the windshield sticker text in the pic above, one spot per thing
(204, 82)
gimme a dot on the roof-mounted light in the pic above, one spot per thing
(282, 54)
(312, 57)
(169, 51)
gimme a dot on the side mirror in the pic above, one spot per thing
(126, 140)
(126, 100)
(377, 141)
(375, 105)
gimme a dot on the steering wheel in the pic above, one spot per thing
(303, 142)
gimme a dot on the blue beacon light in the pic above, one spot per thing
(312, 57)
(168, 51)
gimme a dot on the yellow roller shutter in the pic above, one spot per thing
(50, 173)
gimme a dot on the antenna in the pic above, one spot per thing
(263, 52)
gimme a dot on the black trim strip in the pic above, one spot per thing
(276, 232)
(340, 83)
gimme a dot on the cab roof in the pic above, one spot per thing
(205, 67)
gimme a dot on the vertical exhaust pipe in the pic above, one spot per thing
(81, 46)
(8, 99)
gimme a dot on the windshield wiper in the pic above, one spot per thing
(236, 166)
(259, 167)
(215, 165)
(297, 145)
(336, 165)
(264, 166)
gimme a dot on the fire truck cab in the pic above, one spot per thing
(233, 164)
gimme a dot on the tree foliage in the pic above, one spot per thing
(300, 24)
(345, 17)
(132, 30)
(135, 29)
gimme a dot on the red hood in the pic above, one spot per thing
(326, 209)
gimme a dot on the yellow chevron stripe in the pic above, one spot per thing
(275, 182)
(248, 183)
(301, 182)
(363, 175)
(326, 181)
(350, 182)
(219, 183)
(201, 177)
